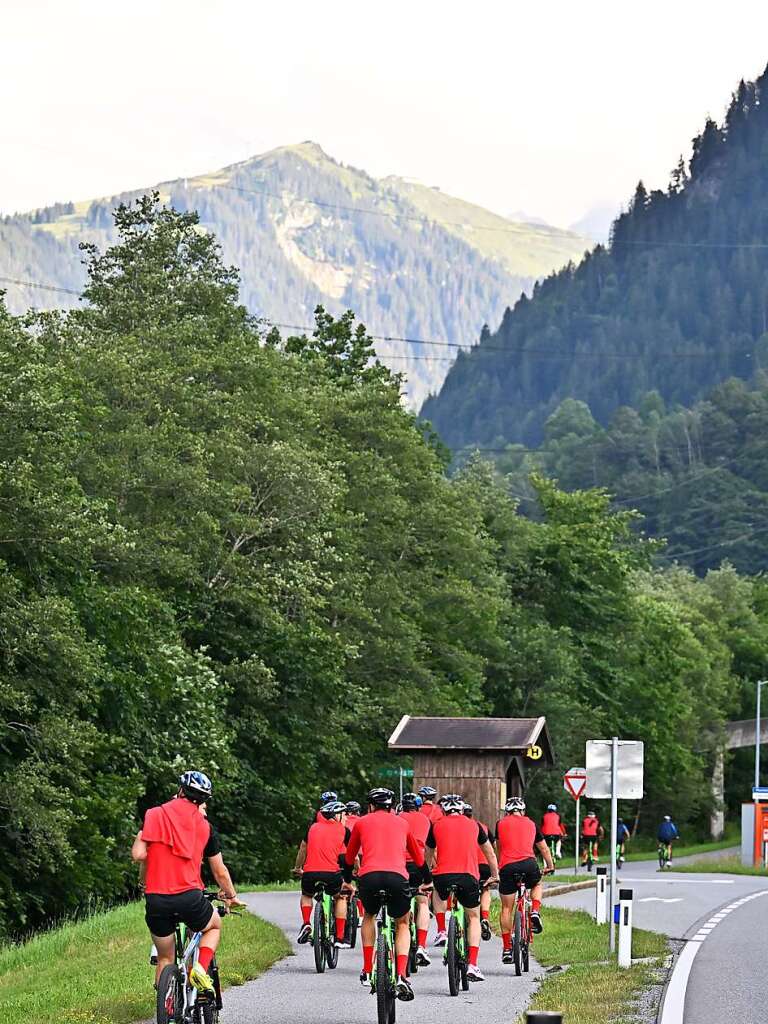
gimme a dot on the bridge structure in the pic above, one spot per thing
(737, 735)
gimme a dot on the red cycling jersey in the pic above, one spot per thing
(552, 825)
(418, 825)
(590, 827)
(516, 837)
(176, 834)
(385, 843)
(432, 811)
(325, 842)
(457, 839)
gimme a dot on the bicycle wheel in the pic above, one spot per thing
(318, 937)
(331, 953)
(661, 859)
(413, 967)
(385, 997)
(210, 1013)
(452, 959)
(352, 923)
(169, 995)
(517, 943)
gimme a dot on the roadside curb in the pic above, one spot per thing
(561, 890)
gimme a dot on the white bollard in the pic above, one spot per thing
(601, 897)
(625, 927)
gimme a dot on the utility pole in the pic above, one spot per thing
(760, 685)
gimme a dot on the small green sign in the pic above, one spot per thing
(395, 773)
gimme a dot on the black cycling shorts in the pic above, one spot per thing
(485, 872)
(163, 913)
(467, 888)
(331, 880)
(508, 875)
(551, 840)
(398, 898)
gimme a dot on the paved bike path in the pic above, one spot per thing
(292, 990)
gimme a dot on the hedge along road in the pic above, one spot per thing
(291, 990)
(723, 919)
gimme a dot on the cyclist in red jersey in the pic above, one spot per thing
(452, 846)
(419, 825)
(485, 874)
(170, 848)
(592, 832)
(428, 796)
(318, 860)
(517, 839)
(553, 830)
(385, 844)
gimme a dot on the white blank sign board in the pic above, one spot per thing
(630, 773)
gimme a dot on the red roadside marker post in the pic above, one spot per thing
(575, 782)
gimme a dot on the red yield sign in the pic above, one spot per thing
(575, 782)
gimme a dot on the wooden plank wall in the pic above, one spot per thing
(479, 776)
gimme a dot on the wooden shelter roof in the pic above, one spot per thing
(512, 735)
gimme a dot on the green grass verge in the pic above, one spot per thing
(96, 971)
(724, 865)
(683, 851)
(589, 992)
(564, 878)
(294, 885)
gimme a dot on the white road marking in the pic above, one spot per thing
(682, 881)
(674, 998)
(661, 899)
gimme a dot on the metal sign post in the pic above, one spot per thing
(576, 844)
(614, 771)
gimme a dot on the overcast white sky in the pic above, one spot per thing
(549, 107)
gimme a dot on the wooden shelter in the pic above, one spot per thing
(484, 759)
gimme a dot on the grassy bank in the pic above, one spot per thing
(96, 971)
(590, 992)
(644, 848)
(725, 865)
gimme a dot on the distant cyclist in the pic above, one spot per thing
(171, 845)
(518, 839)
(553, 830)
(452, 846)
(385, 844)
(428, 796)
(318, 861)
(667, 834)
(485, 873)
(354, 810)
(592, 834)
(419, 825)
(622, 838)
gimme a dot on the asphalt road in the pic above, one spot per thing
(724, 922)
(292, 990)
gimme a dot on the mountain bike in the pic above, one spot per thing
(383, 977)
(322, 936)
(178, 1001)
(413, 949)
(591, 853)
(664, 854)
(522, 933)
(619, 855)
(455, 955)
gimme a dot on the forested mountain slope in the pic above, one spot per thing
(676, 303)
(305, 230)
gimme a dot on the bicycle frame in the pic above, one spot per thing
(457, 910)
(328, 912)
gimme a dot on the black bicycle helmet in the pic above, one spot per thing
(333, 809)
(353, 807)
(468, 811)
(381, 797)
(196, 786)
(328, 797)
(411, 802)
(427, 792)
